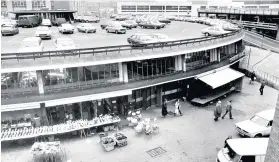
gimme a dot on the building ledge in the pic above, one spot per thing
(128, 86)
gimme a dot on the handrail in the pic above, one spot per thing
(109, 49)
(242, 11)
(271, 26)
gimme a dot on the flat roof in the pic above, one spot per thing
(249, 146)
(42, 11)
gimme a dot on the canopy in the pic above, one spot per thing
(221, 77)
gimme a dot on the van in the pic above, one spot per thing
(29, 20)
(243, 150)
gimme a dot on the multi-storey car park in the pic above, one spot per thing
(91, 81)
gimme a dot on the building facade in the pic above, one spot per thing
(105, 84)
(272, 154)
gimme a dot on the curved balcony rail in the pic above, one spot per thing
(258, 25)
(112, 49)
(242, 11)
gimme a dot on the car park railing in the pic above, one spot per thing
(242, 11)
(113, 49)
(259, 25)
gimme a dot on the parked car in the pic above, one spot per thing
(126, 25)
(105, 24)
(46, 22)
(120, 18)
(115, 28)
(31, 44)
(230, 27)
(258, 126)
(133, 23)
(78, 18)
(59, 21)
(9, 29)
(149, 24)
(29, 20)
(214, 30)
(113, 16)
(243, 150)
(140, 39)
(43, 32)
(65, 44)
(160, 37)
(163, 20)
(66, 28)
(90, 19)
(157, 22)
(86, 27)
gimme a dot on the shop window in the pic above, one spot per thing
(38, 4)
(19, 4)
(157, 8)
(175, 8)
(128, 8)
(197, 59)
(144, 8)
(18, 80)
(185, 8)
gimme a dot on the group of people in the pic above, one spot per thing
(177, 110)
(218, 110)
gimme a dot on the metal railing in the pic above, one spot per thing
(113, 49)
(269, 26)
(247, 11)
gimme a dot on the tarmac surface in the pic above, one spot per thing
(174, 30)
(193, 137)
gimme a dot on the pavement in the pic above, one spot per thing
(175, 30)
(193, 137)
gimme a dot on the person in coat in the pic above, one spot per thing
(177, 108)
(262, 87)
(228, 110)
(164, 108)
(252, 77)
(218, 110)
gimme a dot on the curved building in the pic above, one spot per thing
(93, 81)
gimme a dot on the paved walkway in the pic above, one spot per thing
(193, 137)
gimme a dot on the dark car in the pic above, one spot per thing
(59, 21)
(105, 24)
(140, 40)
(150, 25)
(166, 21)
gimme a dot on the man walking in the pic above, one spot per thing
(177, 107)
(218, 110)
(262, 87)
(228, 110)
(253, 77)
(164, 108)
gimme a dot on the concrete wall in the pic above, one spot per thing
(61, 5)
(272, 154)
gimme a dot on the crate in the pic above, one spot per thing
(108, 147)
(121, 143)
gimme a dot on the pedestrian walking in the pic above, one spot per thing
(177, 107)
(218, 110)
(164, 108)
(228, 110)
(252, 77)
(262, 87)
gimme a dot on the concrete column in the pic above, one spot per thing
(40, 81)
(120, 69)
(213, 55)
(178, 63)
(184, 63)
(125, 72)
(43, 114)
(159, 95)
(277, 36)
(80, 109)
(240, 17)
(218, 55)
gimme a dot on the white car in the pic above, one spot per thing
(65, 44)
(46, 22)
(259, 125)
(115, 28)
(160, 37)
(31, 44)
(66, 28)
(86, 27)
(214, 30)
(230, 27)
(43, 32)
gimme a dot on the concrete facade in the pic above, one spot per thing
(272, 154)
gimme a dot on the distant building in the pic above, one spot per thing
(272, 154)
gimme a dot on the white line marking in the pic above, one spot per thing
(12, 39)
